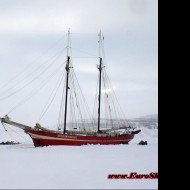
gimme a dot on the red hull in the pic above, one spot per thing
(41, 138)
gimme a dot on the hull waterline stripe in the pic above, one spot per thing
(66, 139)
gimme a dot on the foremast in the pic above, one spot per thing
(67, 68)
(100, 80)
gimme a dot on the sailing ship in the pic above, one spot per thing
(43, 136)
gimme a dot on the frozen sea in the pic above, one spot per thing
(85, 167)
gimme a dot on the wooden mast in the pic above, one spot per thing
(100, 81)
(67, 68)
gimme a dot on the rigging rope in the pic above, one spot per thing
(78, 105)
(40, 74)
(17, 134)
(30, 65)
(83, 99)
(35, 91)
(55, 93)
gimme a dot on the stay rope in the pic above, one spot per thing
(23, 71)
(31, 81)
(36, 90)
(52, 96)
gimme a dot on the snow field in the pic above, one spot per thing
(85, 167)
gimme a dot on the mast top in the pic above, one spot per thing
(99, 41)
(100, 33)
(68, 42)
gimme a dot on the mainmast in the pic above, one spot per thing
(67, 68)
(100, 81)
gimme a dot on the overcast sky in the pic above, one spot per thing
(130, 29)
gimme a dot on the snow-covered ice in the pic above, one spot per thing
(85, 167)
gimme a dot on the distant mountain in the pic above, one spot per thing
(149, 121)
(153, 116)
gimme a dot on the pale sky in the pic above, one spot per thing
(130, 29)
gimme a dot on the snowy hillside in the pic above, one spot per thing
(149, 128)
(150, 121)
